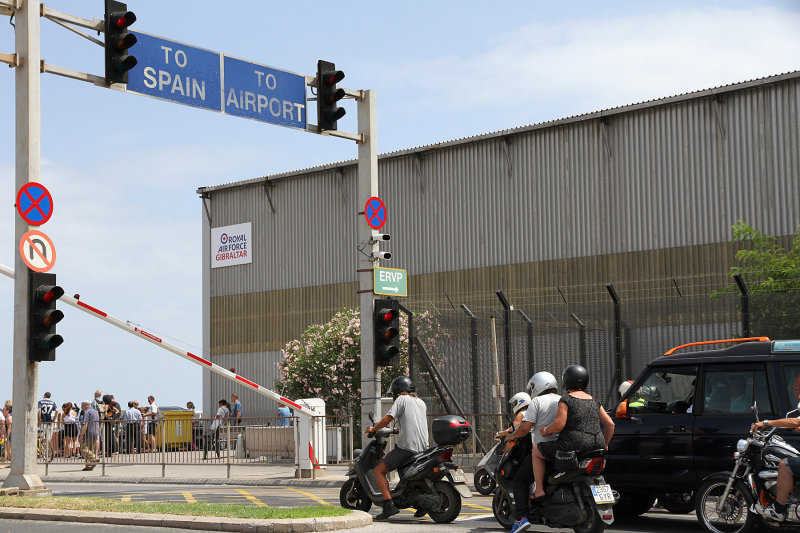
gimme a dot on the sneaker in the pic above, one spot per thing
(769, 512)
(520, 525)
(389, 509)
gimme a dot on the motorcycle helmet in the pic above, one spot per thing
(520, 400)
(623, 388)
(575, 377)
(399, 385)
(540, 383)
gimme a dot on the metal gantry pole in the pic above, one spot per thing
(367, 187)
(28, 154)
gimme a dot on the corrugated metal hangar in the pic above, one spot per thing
(641, 192)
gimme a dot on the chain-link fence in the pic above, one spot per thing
(484, 340)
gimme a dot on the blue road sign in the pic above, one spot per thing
(188, 75)
(177, 72)
(264, 93)
(375, 212)
(34, 203)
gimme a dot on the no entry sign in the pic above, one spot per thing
(34, 203)
(375, 212)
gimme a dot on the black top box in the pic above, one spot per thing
(450, 430)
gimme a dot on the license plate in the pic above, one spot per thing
(458, 475)
(602, 494)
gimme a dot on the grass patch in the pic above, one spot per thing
(176, 508)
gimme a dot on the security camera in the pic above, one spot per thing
(380, 237)
(382, 255)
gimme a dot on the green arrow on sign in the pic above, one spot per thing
(390, 281)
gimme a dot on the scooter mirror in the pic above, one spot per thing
(754, 407)
(372, 419)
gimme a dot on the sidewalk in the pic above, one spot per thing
(331, 476)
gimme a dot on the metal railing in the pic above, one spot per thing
(183, 440)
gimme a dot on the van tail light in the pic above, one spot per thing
(622, 410)
(595, 466)
(446, 455)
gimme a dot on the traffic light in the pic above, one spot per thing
(43, 317)
(387, 331)
(328, 112)
(118, 41)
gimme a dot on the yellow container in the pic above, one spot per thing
(175, 428)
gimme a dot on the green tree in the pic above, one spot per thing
(772, 275)
(325, 362)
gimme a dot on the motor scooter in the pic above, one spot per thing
(429, 480)
(484, 475)
(576, 495)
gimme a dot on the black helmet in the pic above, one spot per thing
(575, 377)
(399, 385)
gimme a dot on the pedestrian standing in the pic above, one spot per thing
(152, 415)
(69, 420)
(89, 436)
(7, 415)
(133, 423)
(3, 438)
(236, 410)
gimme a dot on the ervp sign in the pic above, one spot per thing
(390, 281)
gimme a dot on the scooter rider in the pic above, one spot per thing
(410, 412)
(519, 405)
(788, 470)
(543, 388)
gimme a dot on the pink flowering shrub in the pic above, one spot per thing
(325, 362)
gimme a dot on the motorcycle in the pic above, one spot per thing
(726, 500)
(576, 495)
(429, 480)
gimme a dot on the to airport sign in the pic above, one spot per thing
(196, 77)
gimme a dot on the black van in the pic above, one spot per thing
(680, 420)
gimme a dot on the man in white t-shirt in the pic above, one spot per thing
(410, 412)
(152, 415)
(542, 411)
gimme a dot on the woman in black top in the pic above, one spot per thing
(578, 422)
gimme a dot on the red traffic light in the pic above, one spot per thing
(387, 315)
(332, 78)
(123, 20)
(48, 293)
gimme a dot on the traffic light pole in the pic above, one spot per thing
(367, 187)
(27, 162)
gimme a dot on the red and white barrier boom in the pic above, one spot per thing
(306, 411)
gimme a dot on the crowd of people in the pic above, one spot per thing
(75, 430)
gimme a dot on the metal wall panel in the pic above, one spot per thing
(647, 190)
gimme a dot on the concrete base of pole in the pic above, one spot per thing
(307, 473)
(24, 482)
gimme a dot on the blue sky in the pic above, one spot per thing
(129, 235)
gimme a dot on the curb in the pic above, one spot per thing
(266, 482)
(208, 523)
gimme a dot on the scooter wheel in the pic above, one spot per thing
(353, 497)
(449, 503)
(484, 482)
(502, 509)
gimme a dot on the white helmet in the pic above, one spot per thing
(520, 400)
(540, 382)
(623, 388)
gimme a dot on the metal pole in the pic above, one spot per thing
(529, 330)
(367, 187)
(27, 164)
(507, 308)
(581, 338)
(476, 369)
(745, 304)
(617, 335)
(497, 394)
